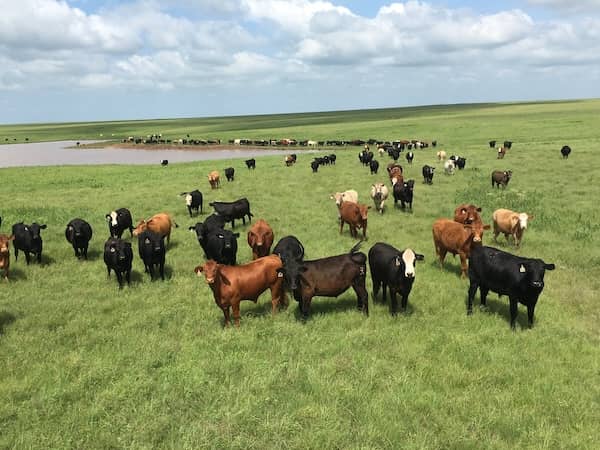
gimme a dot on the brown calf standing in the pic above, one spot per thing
(214, 179)
(456, 238)
(160, 223)
(232, 284)
(260, 239)
(501, 177)
(5, 253)
(355, 215)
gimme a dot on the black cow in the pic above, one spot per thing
(522, 279)
(395, 154)
(229, 173)
(118, 221)
(460, 162)
(164, 162)
(221, 245)
(212, 222)
(508, 144)
(289, 247)
(434, 143)
(118, 256)
(193, 201)
(314, 165)
(374, 166)
(409, 157)
(492, 144)
(28, 239)
(251, 163)
(151, 248)
(565, 151)
(428, 174)
(329, 277)
(404, 193)
(79, 234)
(394, 269)
(238, 209)
(332, 159)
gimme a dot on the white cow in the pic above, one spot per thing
(441, 155)
(379, 194)
(510, 223)
(449, 167)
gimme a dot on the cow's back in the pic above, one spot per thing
(250, 280)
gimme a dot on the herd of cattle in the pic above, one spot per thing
(284, 268)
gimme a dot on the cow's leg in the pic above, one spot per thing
(16, 253)
(108, 270)
(27, 257)
(393, 301)
(404, 303)
(376, 285)
(236, 313)
(463, 265)
(442, 255)
(483, 292)
(225, 310)
(162, 270)
(472, 290)
(530, 311)
(383, 288)
(513, 311)
(85, 250)
(119, 278)
(39, 257)
(128, 277)
(341, 224)
(361, 293)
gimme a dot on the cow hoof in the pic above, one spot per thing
(469, 312)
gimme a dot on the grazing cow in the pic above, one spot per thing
(230, 211)
(492, 144)
(119, 221)
(374, 166)
(501, 177)
(151, 248)
(460, 162)
(510, 223)
(314, 165)
(441, 155)
(290, 159)
(501, 152)
(260, 238)
(229, 173)
(404, 193)
(379, 194)
(329, 277)
(508, 144)
(409, 157)
(118, 256)
(193, 201)
(214, 179)
(355, 215)
(453, 237)
(449, 167)
(79, 234)
(232, 284)
(565, 151)
(28, 239)
(396, 177)
(5, 253)
(393, 268)
(251, 163)
(522, 279)
(467, 214)
(428, 174)
(160, 223)
(164, 162)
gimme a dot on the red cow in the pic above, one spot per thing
(355, 215)
(260, 239)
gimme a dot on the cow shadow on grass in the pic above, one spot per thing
(325, 305)
(410, 309)
(16, 274)
(500, 306)
(451, 265)
(6, 318)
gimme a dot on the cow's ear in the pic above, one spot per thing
(478, 209)
(198, 270)
(107, 217)
(251, 238)
(397, 261)
(419, 257)
(486, 227)
(463, 210)
(43, 227)
(191, 228)
(549, 266)
(70, 227)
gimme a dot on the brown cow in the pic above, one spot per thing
(232, 284)
(501, 152)
(511, 223)
(501, 177)
(456, 238)
(355, 215)
(396, 175)
(160, 223)
(467, 213)
(5, 253)
(214, 179)
(260, 239)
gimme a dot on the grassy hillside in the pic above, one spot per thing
(85, 365)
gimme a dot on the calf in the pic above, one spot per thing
(374, 166)
(160, 223)
(441, 155)
(492, 144)
(449, 167)
(460, 162)
(379, 194)
(510, 223)
(118, 256)
(79, 234)
(409, 157)
(329, 277)
(5, 253)
(456, 238)
(522, 279)
(151, 248)
(396, 175)
(508, 144)
(355, 215)
(428, 174)
(393, 268)
(332, 159)
(251, 163)
(230, 285)
(404, 193)
(467, 214)
(290, 160)
(229, 173)
(501, 152)
(260, 238)
(193, 201)
(501, 177)
(214, 179)
(28, 239)
(314, 165)
(119, 221)
(230, 211)
(565, 151)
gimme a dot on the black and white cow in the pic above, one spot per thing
(394, 269)
(164, 162)
(193, 201)
(251, 163)
(79, 234)
(229, 173)
(521, 279)
(118, 256)
(565, 151)
(151, 248)
(409, 157)
(221, 245)
(403, 192)
(460, 162)
(428, 174)
(28, 240)
(119, 221)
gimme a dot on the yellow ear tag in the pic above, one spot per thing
(522, 269)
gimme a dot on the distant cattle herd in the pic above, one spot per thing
(284, 269)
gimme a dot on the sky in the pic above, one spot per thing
(88, 60)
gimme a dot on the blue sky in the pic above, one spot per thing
(81, 60)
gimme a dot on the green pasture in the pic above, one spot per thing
(85, 365)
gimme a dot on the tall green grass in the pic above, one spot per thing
(85, 365)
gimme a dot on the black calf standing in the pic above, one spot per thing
(229, 173)
(28, 240)
(251, 163)
(428, 174)
(118, 256)
(79, 234)
(151, 247)
(373, 166)
(565, 151)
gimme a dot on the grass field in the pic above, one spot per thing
(85, 365)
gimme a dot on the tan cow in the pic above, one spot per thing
(510, 223)
(160, 223)
(214, 179)
(441, 155)
(379, 194)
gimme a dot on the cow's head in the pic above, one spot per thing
(408, 259)
(520, 221)
(4, 240)
(338, 197)
(210, 270)
(291, 271)
(140, 227)
(364, 211)
(475, 232)
(533, 271)
(35, 230)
